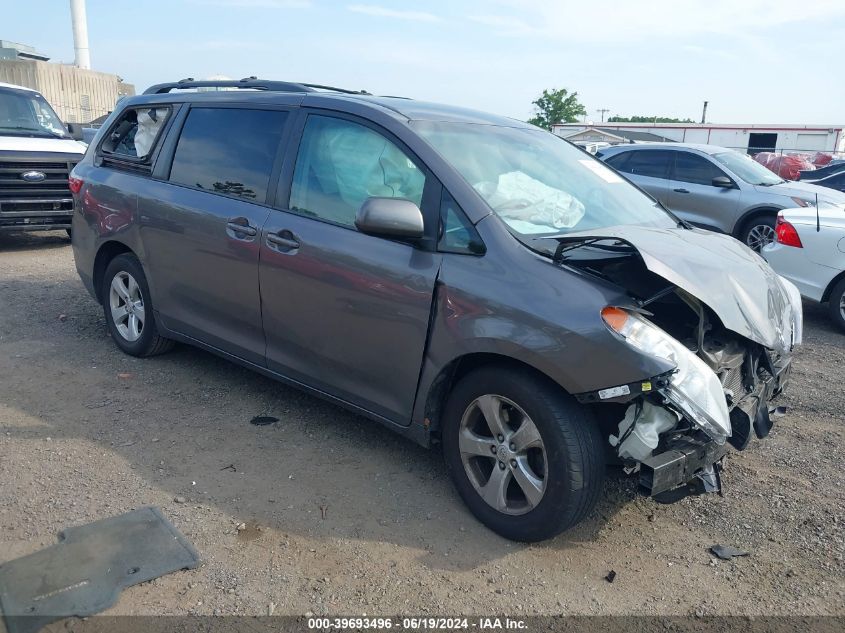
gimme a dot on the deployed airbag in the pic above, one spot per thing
(530, 206)
(149, 123)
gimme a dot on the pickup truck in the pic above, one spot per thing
(37, 153)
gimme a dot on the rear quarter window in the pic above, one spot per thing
(133, 137)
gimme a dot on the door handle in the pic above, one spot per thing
(681, 190)
(283, 241)
(240, 227)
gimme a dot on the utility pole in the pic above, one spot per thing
(704, 113)
(602, 111)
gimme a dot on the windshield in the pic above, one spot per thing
(25, 113)
(748, 169)
(538, 183)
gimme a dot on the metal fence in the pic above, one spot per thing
(753, 151)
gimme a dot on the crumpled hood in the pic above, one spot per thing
(724, 274)
(804, 190)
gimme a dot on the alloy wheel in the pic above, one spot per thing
(503, 454)
(759, 236)
(127, 306)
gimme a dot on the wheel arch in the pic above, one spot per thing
(831, 286)
(105, 254)
(459, 367)
(750, 215)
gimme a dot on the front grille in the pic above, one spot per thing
(47, 201)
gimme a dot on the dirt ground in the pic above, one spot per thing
(343, 517)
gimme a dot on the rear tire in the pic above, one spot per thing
(759, 231)
(128, 308)
(836, 304)
(545, 489)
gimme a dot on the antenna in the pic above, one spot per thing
(818, 221)
(602, 111)
(704, 112)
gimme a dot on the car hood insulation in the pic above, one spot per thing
(725, 275)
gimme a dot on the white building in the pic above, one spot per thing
(77, 95)
(750, 137)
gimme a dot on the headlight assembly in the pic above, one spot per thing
(694, 388)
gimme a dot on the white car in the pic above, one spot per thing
(810, 251)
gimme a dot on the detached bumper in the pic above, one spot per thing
(678, 465)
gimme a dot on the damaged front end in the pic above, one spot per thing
(675, 427)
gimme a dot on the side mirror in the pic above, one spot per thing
(74, 129)
(390, 217)
(723, 181)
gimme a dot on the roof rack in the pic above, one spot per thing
(247, 83)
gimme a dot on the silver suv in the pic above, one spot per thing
(714, 187)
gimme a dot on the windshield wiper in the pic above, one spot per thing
(566, 244)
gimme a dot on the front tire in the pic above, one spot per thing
(759, 231)
(128, 308)
(836, 304)
(526, 458)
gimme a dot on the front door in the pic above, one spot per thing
(344, 312)
(201, 229)
(694, 198)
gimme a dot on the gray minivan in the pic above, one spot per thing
(715, 187)
(465, 279)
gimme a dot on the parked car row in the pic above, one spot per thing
(715, 188)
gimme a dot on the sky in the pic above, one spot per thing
(755, 61)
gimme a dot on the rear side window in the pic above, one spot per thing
(342, 163)
(133, 137)
(695, 169)
(229, 151)
(617, 161)
(653, 163)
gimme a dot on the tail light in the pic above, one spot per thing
(786, 233)
(75, 184)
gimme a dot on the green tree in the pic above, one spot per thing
(556, 106)
(646, 119)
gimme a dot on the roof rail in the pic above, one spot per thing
(334, 89)
(247, 83)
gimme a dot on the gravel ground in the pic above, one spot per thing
(328, 513)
